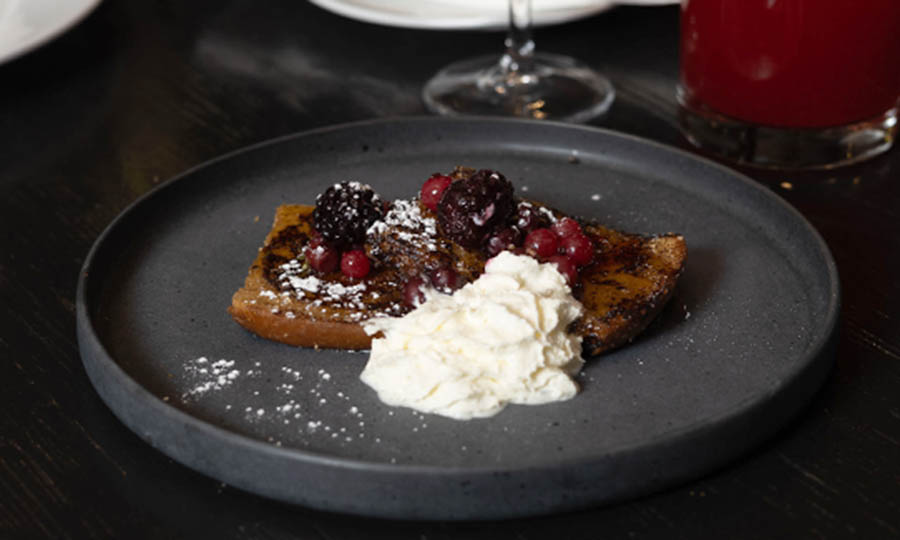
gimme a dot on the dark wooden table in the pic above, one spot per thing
(144, 89)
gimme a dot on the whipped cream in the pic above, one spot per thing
(501, 339)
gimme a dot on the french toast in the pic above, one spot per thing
(624, 286)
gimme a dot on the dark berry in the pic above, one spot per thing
(345, 211)
(471, 209)
(414, 291)
(542, 243)
(578, 247)
(566, 227)
(529, 218)
(355, 264)
(446, 280)
(503, 240)
(433, 189)
(321, 256)
(566, 267)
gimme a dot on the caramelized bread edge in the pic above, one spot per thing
(672, 251)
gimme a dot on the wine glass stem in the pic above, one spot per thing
(519, 57)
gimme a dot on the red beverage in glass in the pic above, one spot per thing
(792, 63)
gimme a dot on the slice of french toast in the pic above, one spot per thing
(631, 279)
(624, 287)
(284, 301)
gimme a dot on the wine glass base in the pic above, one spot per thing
(557, 88)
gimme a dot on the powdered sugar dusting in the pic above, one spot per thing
(405, 221)
(303, 405)
(548, 213)
(209, 376)
(306, 402)
(297, 282)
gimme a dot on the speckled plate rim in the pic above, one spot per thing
(791, 393)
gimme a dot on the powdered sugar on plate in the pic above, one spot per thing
(307, 399)
(209, 375)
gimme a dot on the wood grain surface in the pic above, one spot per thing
(143, 90)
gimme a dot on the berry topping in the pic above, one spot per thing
(433, 189)
(529, 218)
(578, 248)
(566, 267)
(503, 240)
(355, 264)
(472, 208)
(345, 211)
(320, 256)
(566, 227)
(542, 243)
(447, 280)
(414, 291)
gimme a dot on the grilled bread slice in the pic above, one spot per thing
(309, 313)
(622, 290)
(631, 279)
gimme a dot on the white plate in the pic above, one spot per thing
(466, 14)
(27, 24)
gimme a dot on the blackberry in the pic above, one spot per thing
(345, 211)
(471, 209)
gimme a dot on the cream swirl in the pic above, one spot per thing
(501, 339)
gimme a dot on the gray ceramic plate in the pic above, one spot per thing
(742, 346)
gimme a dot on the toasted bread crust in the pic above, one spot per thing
(299, 332)
(622, 291)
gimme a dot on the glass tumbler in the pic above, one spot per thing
(790, 83)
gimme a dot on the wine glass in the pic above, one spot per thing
(521, 82)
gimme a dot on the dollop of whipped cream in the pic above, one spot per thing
(500, 339)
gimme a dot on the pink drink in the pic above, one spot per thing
(792, 63)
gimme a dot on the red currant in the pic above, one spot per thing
(566, 227)
(541, 242)
(355, 264)
(414, 291)
(433, 189)
(566, 267)
(321, 256)
(446, 280)
(506, 239)
(579, 248)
